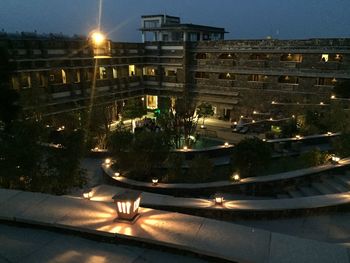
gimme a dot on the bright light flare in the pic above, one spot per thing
(98, 38)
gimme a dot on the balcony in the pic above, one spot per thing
(172, 79)
(256, 84)
(150, 78)
(288, 86)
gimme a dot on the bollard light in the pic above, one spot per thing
(155, 181)
(236, 177)
(219, 199)
(87, 194)
(127, 205)
(335, 159)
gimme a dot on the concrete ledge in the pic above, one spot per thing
(221, 240)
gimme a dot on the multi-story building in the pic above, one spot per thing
(57, 74)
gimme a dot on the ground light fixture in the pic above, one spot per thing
(87, 194)
(226, 144)
(219, 199)
(185, 148)
(329, 133)
(335, 159)
(298, 137)
(127, 205)
(116, 175)
(108, 162)
(155, 181)
(236, 177)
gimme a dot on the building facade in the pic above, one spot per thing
(56, 74)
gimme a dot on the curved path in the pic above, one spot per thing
(105, 193)
(202, 236)
(250, 180)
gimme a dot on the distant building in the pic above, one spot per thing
(55, 74)
(168, 28)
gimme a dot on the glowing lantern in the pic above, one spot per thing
(127, 204)
(236, 178)
(155, 181)
(87, 194)
(219, 199)
(335, 159)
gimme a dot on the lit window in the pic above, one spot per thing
(131, 70)
(102, 73)
(64, 77)
(115, 73)
(152, 102)
(324, 57)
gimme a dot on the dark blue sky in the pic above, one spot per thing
(247, 19)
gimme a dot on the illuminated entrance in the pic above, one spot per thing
(151, 102)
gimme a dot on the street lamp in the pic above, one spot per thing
(98, 38)
(127, 204)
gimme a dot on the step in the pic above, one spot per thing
(308, 191)
(295, 194)
(335, 185)
(344, 179)
(323, 189)
(281, 196)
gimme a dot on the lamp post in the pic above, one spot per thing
(127, 204)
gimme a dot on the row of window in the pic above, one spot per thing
(63, 76)
(265, 78)
(285, 57)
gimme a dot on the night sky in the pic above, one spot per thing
(244, 19)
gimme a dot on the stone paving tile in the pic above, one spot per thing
(50, 210)
(339, 227)
(20, 203)
(289, 249)
(5, 194)
(18, 243)
(233, 241)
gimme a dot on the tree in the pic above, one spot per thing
(200, 169)
(204, 110)
(314, 157)
(251, 156)
(289, 128)
(336, 119)
(341, 145)
(27, 163)
(120, 141)
(133, 109)
(9, 98)
(342, 89)
(185, 119)
(148, 152)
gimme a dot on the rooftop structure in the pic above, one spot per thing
(169, 28)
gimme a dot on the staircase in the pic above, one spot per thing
(327, 184)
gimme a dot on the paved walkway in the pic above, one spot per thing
(106, 192)
(26, 245)
(260, 179)
(196, 234)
